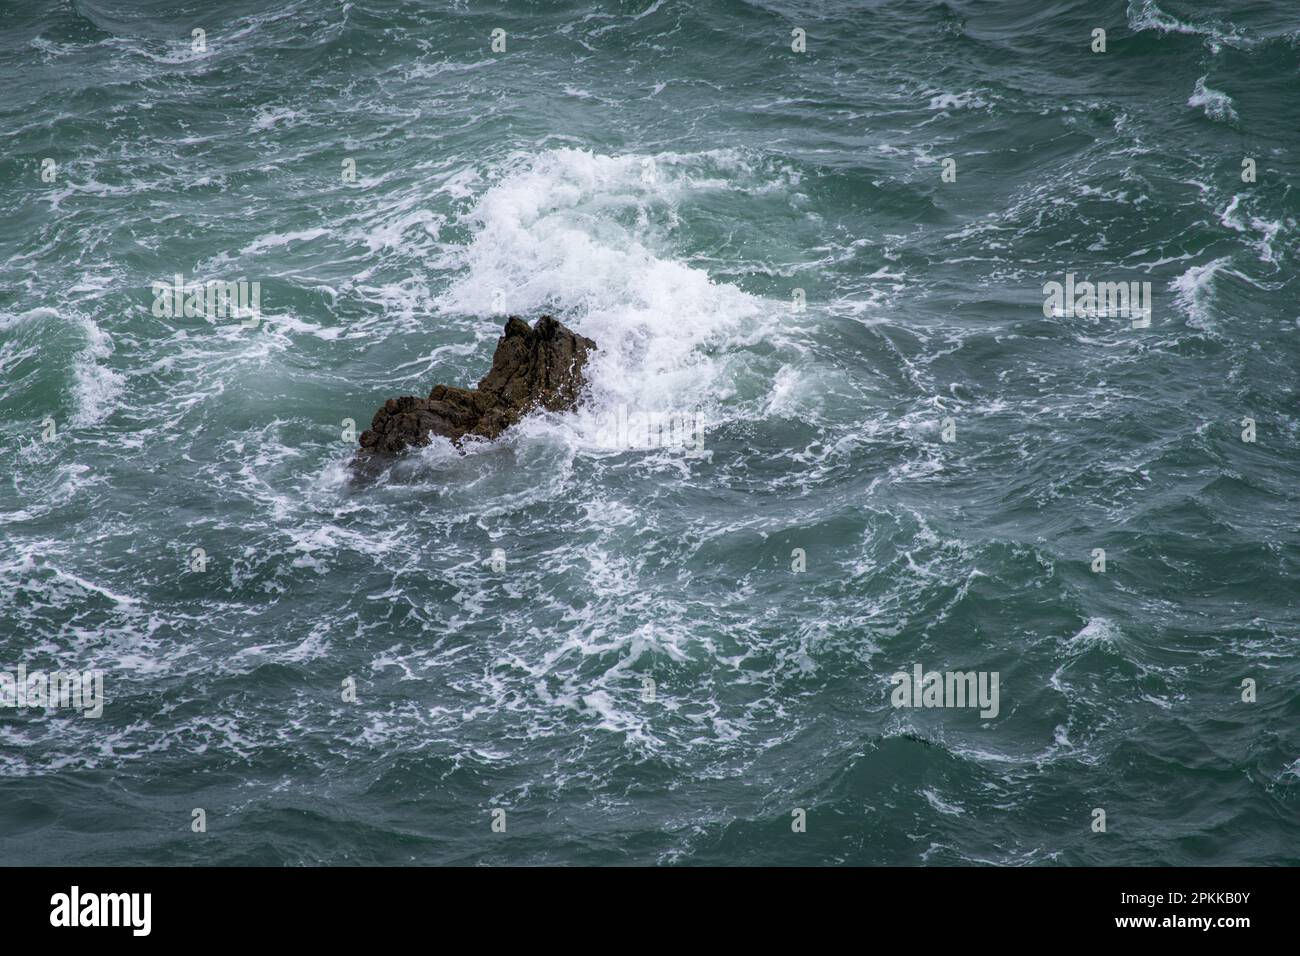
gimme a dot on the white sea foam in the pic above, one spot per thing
(1217, 105)
(1097, 632)
(1232, 218)
(1146, 15)
(266, 119)
(1194, 292)
(965, 100)
(941, 805)
(275, 239)
(582, 235)
(95, 387)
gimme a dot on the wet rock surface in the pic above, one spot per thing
(533, 368)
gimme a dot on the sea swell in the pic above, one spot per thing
(645, 655)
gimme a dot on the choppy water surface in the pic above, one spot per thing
(661, 175)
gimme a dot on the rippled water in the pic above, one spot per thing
(662, 176)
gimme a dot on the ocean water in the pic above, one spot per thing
(642, 655)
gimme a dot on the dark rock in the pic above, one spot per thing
(538, 367)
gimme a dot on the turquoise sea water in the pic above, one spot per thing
(662, 176)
